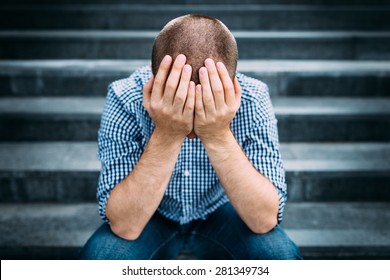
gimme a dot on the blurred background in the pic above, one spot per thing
(326, 63)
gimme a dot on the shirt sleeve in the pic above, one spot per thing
(119, 143)
(262, 149)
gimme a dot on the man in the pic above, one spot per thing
(190, 156)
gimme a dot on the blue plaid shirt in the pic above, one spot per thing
(194, 190)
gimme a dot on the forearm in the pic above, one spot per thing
(253, 196)
(135, 199)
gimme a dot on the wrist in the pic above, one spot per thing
(223, 138)
(169, 137)
(222, 148)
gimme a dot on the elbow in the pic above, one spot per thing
(264, 226)
(268, 221)
(126, 232)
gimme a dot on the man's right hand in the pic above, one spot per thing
(169, 98)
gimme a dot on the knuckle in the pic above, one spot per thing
(231, 110)
(171, 86)
(208, 98)
(165, 111)
(221, 114)
(158, 81)
(190, 105)
(177, 119)
(154, 106)
(219, 90)
(180, 98)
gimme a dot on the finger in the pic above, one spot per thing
(161, 77)
(227, 84)
(199, 108)
(182, 91)
(216, 84)
(238, 91)
(147, 90)
(173, 80)
(208, 99)
(188, 110)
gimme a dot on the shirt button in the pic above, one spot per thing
(186, 173)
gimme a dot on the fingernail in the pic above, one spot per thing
(209, 62)
(181, 58)
(220, 65)
(203, 71)
(187, 68)
(167, 59)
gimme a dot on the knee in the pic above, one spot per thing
(274, 245)
(105, 245)
(95, 248)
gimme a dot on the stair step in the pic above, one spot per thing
(342, 230)
(263, 17)
(68, 171)
(283, 77)
(343, 45)
(300, 119)
(332, 119)
(195, 2)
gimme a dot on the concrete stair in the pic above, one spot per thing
(318, 78)
(326, 62)
(203, 2)
(68, 171)
(58, 231)
(113, 44)
(316, 119)
(244, 17)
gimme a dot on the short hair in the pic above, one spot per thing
(197, 37)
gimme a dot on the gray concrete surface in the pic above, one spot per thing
(342, 45)
(263, 17)
(338, 227)
(224, 2)
(284, 77)
(68, 171)
(282, 106)
(316, 119)
(72, 156)
(335, 148)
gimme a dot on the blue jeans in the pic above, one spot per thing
(223, 235)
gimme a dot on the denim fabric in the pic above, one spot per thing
(223, 235)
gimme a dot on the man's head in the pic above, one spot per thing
(197, 37)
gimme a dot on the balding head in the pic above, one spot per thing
(197, 37)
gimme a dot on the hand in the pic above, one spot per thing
(170, 99)
(217, 100)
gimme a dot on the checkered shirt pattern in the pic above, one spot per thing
(194, 190)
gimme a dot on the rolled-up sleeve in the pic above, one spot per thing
(262, 147)
(119, 141)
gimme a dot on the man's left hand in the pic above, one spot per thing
(217, 101)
